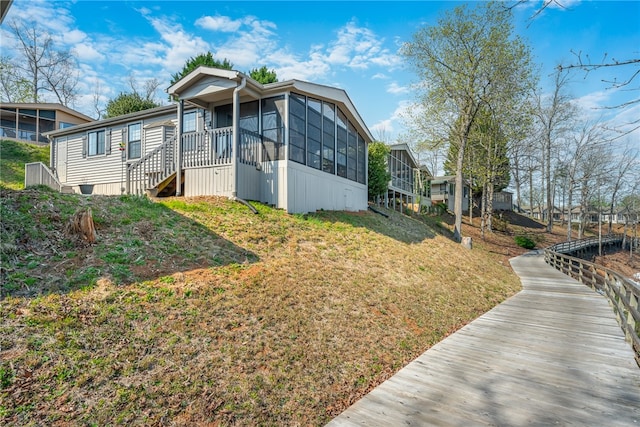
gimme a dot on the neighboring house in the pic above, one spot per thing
(443, 190)
(295, 145)
(541, 213)
(503, 200)
(621, 215)
(409, 183)
(29, 121)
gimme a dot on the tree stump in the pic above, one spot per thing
(467, 242)
(82, 226)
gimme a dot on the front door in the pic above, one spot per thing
(61, 163)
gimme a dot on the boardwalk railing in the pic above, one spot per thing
(573, 246)
(39, 174)
(623, 294)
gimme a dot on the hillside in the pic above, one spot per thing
(193, 311)
(13, 156)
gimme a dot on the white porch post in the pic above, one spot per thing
(179, 149)
(236, 135)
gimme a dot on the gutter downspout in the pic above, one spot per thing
(179, 149)
(236, 135)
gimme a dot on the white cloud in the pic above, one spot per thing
(176, 48)
(87, 52)
(395, 89)
(358, 47)
(219, 23)
(561, 4)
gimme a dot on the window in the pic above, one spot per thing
(134, 144)
(224, 116)
(342, 145)
(314, 133)
(297, 125)
(362, 162)
(273, 127)
(249, 116)
(328, 137)
(352, 153)
(189, 122)
(64, 125)
(95, 142)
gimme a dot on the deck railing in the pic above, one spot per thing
(39, 174)
(199, 149)
(207, 148)
(622, 293)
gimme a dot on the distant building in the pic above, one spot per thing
(28, 121)
(409, 184)
(443, 190)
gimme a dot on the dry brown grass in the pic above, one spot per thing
(327, 307)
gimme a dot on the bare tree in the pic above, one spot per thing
(621, 172)
(149, 88)
(46, 68)
(554, 114)
(577, 161)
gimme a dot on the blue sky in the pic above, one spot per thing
(351, 45)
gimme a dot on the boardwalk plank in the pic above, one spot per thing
(551, 355)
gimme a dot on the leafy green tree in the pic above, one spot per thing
(379, 175)
(126, 103)
(263, 75)
(470, 60)
(205, 59)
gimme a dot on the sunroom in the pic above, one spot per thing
(300, 146)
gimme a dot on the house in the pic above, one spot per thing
(588, 216)
(409, 183)
(28, 122)
(296, 145)
(443, 190)
(503, 200)
(541, 213)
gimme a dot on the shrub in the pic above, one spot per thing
(525, 242)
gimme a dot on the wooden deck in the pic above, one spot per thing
(551, 355)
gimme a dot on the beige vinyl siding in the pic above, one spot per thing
(106, 172)
(311, 190)
(216, 180)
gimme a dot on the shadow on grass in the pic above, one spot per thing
(137, 240)
(406, 229)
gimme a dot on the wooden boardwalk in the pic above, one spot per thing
(551, 355)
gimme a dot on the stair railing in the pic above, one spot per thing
(153, 168)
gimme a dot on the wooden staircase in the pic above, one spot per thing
(166, 188)
(153, 172)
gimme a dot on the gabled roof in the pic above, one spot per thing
(212, 84)
(405, 147)
(445, 179)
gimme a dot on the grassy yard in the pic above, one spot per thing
(13, 156)
(198, 312)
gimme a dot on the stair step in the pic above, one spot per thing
(67, 189)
